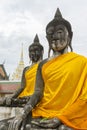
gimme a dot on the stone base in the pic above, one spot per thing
(35, 128)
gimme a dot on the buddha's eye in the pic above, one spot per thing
(50, 30)
(60, 31)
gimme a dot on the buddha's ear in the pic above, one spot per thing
(47, 37)
(72, 35)
(42, 52)
(70, 43)
(68, 40)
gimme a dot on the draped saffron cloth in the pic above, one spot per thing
(65, 90)
(30, 76)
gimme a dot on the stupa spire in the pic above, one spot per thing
(21, 58)
(18, 72)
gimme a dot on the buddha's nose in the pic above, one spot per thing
(56, 36)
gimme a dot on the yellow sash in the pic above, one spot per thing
(30, 76)
(65, 90)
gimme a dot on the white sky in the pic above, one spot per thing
(20, 20)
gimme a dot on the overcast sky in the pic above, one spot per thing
(20, 20)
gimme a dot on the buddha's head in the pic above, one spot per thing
(36, 50)
(59, 33)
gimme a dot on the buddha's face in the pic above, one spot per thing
(35, 53)
(58, 37)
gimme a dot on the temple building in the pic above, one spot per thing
(8, 87)
(3, 74)
(18, 72)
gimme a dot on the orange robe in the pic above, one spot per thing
(30, 76)
(65, 90)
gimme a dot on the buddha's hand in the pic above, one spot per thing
(27, 109)
(8, 101)
(15, 124)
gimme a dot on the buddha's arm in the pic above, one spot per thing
(8, 100)
(38, 93)
(23, 83)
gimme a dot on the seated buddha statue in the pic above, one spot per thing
(22, 95)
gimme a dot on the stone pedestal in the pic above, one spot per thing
(8, 112)
(5, 112)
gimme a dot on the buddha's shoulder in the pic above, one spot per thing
(81, 57)
(26, 68)
(43, 62)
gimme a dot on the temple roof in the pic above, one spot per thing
(8, 87)
(3, 74)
